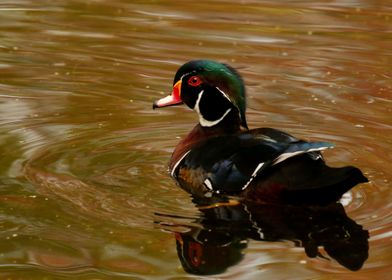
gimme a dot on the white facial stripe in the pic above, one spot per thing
(183, 76)
(224, 94)
(228, 98)
(186, 74)
(197, 109)
(202, 120)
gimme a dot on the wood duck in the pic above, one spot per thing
(221, 156)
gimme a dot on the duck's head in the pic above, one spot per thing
(214, 90)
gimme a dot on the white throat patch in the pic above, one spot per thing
(202, 120)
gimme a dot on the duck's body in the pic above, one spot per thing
(220, 156)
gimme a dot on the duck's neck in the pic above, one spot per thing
(228, 125)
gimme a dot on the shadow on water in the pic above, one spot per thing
(218, 238)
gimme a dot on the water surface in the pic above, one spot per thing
(85, 192)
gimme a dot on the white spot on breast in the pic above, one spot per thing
(208, 184)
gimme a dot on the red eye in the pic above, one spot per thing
(194, 81)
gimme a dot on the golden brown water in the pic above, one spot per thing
(84, 157)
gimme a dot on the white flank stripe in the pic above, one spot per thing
(177, 163)
(260, 165)
(285, 156)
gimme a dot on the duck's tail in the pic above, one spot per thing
(321, 184)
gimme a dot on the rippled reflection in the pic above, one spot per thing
(222, 233)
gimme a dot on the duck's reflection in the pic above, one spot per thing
(220, 236)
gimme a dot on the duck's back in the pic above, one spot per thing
(263, 164)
